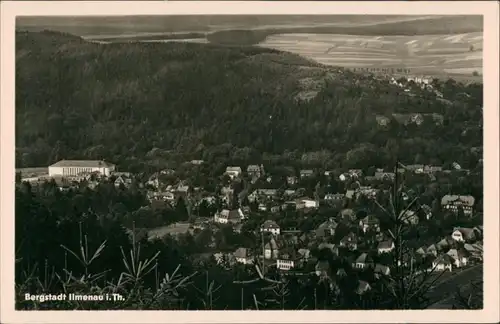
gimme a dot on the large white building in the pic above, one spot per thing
(76, 167)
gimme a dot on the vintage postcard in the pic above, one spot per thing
(249, 162)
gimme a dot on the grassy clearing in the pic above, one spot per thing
(174, 229)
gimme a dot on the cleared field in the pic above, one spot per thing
(177, 228)
(460, 54)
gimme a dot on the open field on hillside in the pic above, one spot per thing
(177, 228)
(460, 54)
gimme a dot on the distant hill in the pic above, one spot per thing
(428, 26)
(150, 103)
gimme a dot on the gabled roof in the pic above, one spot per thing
(322, 265)
(385, 244)
(253, 168)
(227, 214)
(233, 169)
(444, 259)
(371, 220)
(363, 286)
(83, 164)
(466, 232)
(241, 253)
(329, 224)
(380, 268)
(351, 237)
(270, 224)
(363, 258)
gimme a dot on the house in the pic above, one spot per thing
(416, 168)
(154, 181)
(289, 193)
(363, 287)
(181, 190)
(454, 203)
(291, 180)
(420, 251)
(302, 203)
(262, 194)
(271, 249)
(328, 173)
(242, 255)
(355, 173)
(385, 246)
(432, 169)
(350, 241)
(350, 194)
(363, 261)
(382, 120)
(409, 217)
(306, 173)
(262, 207)
(431, 250)
(442, 263)
(371, 223)
(335, 197)
(461, 234)
(255, 171)
(287, 259)
(322, 268)
(384, 176)
(229, 216)
(381, 270)
(197, 162)
(288, 205)
(67, 168)
(124, 180)
(270, 226)
(460, 257)
(233, 172)
(304, 254)
(444, 244)
(275, 209)
(327, 228)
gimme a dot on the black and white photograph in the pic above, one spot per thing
(249, 162)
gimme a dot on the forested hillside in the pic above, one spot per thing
(151, 103)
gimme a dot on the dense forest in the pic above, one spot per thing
(142, 104)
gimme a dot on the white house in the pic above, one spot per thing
(243, 256)
(385, 246)
(442, 263)
(306, 203)
(454, 202)
(362, 261)
(463, 234)
(285, 264)
(382, 270)
(233, 172)
(270, 226)
(75, 167)
(459, 256)
(227, 216)
(288, 259)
